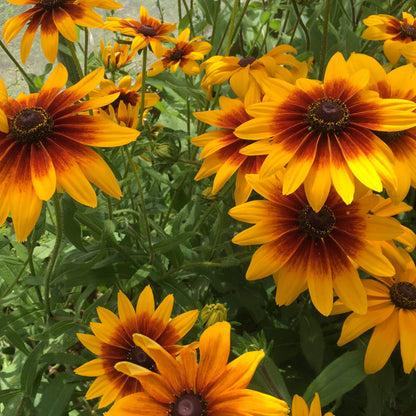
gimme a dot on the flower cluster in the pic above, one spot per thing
(317, 151)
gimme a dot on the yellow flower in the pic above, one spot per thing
(399, 83)
(44, 139)
(184, 55)
(392, 314)
(210, 387)
(116, 56)
(125, 109)
(319, 251)
(399, 36)
(221, 148)
(300, 408)
(323, 132)
(113, 343)
(247, 74)
(54, 17)
(144, 32)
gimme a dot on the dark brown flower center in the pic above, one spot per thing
(408, 31)
(50, 4)
(316, 224)
(189, 404)
(31, 125)
(137, 356)
(403, 295)
(176, 55)
(246, 61)
(130, 97)
(389, 136)
(328, 115)
(146, 30)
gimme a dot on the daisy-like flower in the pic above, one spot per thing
(392, 314)
(323, 132)
(115, 57)
(54, 17)
(399, 36)
(125, 109)
(44, 142)
(319, 251)
(144, 32)
(247, 74)
(221, 148)
(300, 408)
(113, 343)
(402, 143)
(185, 387)
(184, 55)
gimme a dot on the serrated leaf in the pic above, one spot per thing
(339, 377)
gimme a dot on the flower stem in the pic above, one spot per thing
(231, 28)
(30, 83)
(55, 250)
(143, 205)
(324, 38)
(75, 58)
(143, 88)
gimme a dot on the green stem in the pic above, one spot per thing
(324, 38)
(143, 205)
(301, 24)
(75, 58)
(85, 51)
(240, 19)
(231, 28)
(55, 250)
(16, 279)
(188, 12)
(30, 248)
(30, 83)
(143, 88)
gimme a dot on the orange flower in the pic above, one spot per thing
(144, 32)
(44, 139)
(221, 148)
(184, 55)
(116, 56)
(54, 17)
(319, 251)
(113, 342)
(323, 132)
(399, 36)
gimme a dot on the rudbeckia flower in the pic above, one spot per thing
(186, 387)
(324, 133)
(44, 139)
(399, 36)
(319, 251)
(54, 17)
(183, 55)
(113, 343)
(392, 314)
(300, 408)
(125, 109)
(116, 56)
(221, 148)
(402, 143)
(246, 74)
(144, 32)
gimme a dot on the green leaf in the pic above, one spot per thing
(54, 331)
(172, 242)
(55, 398)
(339, 377)
(30, 370)
(312, 341)
(72, 228)
(6, 395)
